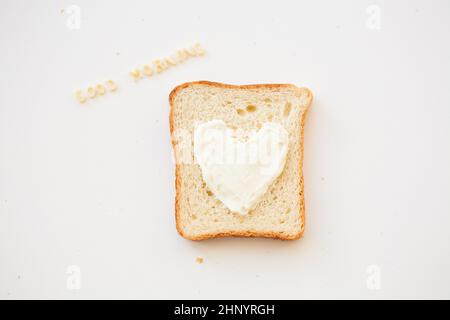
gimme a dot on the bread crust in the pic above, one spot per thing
(247, 233)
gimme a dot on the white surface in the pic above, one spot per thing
(93, 185)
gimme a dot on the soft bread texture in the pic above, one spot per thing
(281, 212)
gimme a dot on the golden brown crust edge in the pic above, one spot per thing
(273, 235)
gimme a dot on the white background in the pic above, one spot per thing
(92, 185)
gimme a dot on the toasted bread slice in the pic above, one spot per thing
(280, 213)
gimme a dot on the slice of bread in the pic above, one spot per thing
(280, 213)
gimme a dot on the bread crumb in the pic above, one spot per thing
(199, 260)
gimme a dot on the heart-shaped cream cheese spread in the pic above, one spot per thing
(239, 168)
